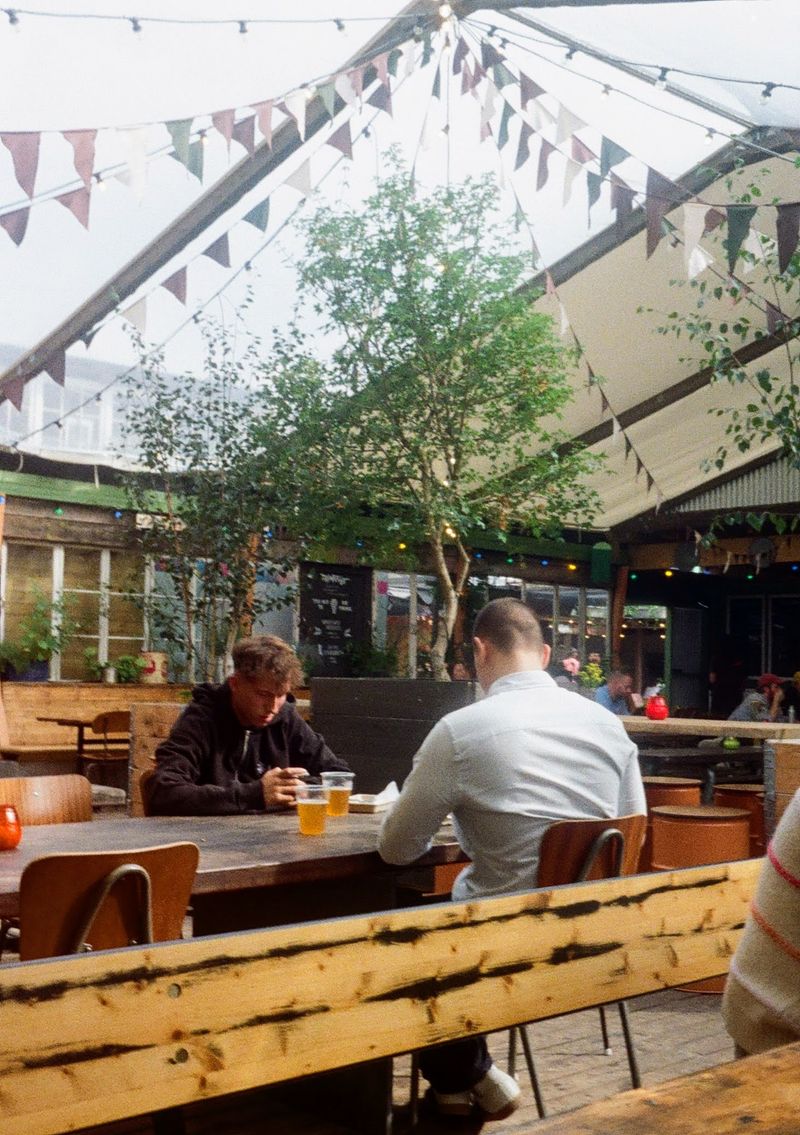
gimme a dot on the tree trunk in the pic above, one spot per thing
(450, 592)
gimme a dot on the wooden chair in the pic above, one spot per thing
(102, 900)
(151, 723)
(112, 755)
(573, 851)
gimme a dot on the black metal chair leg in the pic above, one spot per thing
(633, 1063)
(537, 1091)
(511, 1063)
(604, 1030)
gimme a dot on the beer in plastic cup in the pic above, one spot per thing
(338, 786)
(311, 806)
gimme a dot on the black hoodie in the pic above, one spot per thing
(210, 765)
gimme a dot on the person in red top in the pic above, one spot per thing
(242, 746)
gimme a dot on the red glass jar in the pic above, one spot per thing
(10, 827)
(656, 708)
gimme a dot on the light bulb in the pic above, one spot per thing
(606, 91)
(661, 81)
(766, 94)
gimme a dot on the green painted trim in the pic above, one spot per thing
(528, 546)
(67, 492)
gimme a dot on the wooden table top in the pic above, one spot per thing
(697, 727)
(236, 852)
(761, 1093)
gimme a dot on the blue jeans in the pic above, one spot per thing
(457, 1066)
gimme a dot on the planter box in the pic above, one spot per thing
(377, 724)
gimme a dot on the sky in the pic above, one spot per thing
(78, 73)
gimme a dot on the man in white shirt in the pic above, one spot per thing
(507, 767)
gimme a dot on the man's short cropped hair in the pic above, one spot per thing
(509, 624)
(267, 654)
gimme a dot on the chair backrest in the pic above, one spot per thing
(143, 799)
(572, 850)
(59, 799)
(112, 721)
(66, 900)
(151, 722)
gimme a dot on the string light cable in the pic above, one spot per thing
(138, 23)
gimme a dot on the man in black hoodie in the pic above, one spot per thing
(242, 746)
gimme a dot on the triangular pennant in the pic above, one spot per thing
(436, 90)
(24, 150)
(775, 318)
(344, 89)
(714, 218)
(610, 155)
(565, 324)
(542, 172)
(694, 220)
(427, 48)
(223, 121)
(581, 152)
(460, 54)
(259, 216)
(180, 132)
(82, 142)
(622, 196)
(327, 96)
(15, 224)
(478, 74)
(502, 134)
(615, 429)
(594, 183)
(264, 118)
(244, 132)
(381, 65)
(301, 179)
(197, 156)
(466, 78)
(176, 284)
(659, 498)
(528, 90)
(502, 76)
(356, 77)
(523, 148)
(341, 140)
(13, 389)
(628, 447)
(490, 56)
(568, 123)
(788, 226)
(658, 200)
(488, 108)
(77, 201)
(296, 102)
(639, 463)
(381, 99)
(698, 261)
(649, 480)
(604, 404)
(136, 314)
(395, 55)
(219, 251)
(549, 285)
(539, 116)
(739, 217)
(56, 367)
(591, 375)
(519, 217)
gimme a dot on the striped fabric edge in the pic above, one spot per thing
(771, 932)
(772, 855)
(757, 993)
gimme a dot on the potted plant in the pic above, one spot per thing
(45, 630)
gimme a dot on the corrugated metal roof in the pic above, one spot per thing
(772, 484)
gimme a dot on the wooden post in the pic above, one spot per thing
(618, 613)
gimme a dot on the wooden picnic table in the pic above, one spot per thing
(254, 870)
(81, 724)
(672, 727)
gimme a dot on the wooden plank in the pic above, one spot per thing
(760, 1092)
(93, 1038)
(698, 727)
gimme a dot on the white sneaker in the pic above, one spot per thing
(453, 1103)
(497, 1094)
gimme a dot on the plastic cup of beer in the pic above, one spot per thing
(312, 803)
(338, 786)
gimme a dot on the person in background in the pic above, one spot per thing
(790, 706)
(761, 704)
(506, 767)
(617, 693)
(761, 1006)
(242, 746)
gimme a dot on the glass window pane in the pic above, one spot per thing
(596, 640)
(124, 617)
(82, 569)
(541, 596)
(85, 609)
(127, 572)
(568, 619)
(30, 572)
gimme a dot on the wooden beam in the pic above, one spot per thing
(97, 1037)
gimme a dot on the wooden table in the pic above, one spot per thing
(698, 727)
(713, 764)
(115, 741)
(254, 870)
(760, 1093)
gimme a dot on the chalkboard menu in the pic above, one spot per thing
(335, 612)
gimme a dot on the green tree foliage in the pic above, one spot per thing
(435, 414)
(204, 494)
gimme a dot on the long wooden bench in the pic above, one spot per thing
(98, 1037)
(51, 747)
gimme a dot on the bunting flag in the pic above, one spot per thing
(502, 77)
(14, 389)
(505, 118)
(16, 224)
(264, 119)
(698, 261)
(219, 251)
(259, 216)
(342, 141)
(490, 56)
(296, 104)
(788, 226)
(547, 148)
(344, 89)
(301, 179)
(436, 91)
(581, 154)
(381, 98)
(567, 124)
(459, 54)
(594, 184)
(136, 315)
(611, 154)
(775, 318)
(694, 223)
(82, 142)
(658, 200)
(56, 367)
(77, 201)
(180, 131)
(176, 284)
(356, 77)
(24, 150)
(523, 148)
(622, 197)
(381, 65)
(739, 217)
(244, 132)
(466, 79)
(528, 90)
(714, 218)
(327, 96)
(615, 429)
(223, 122)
